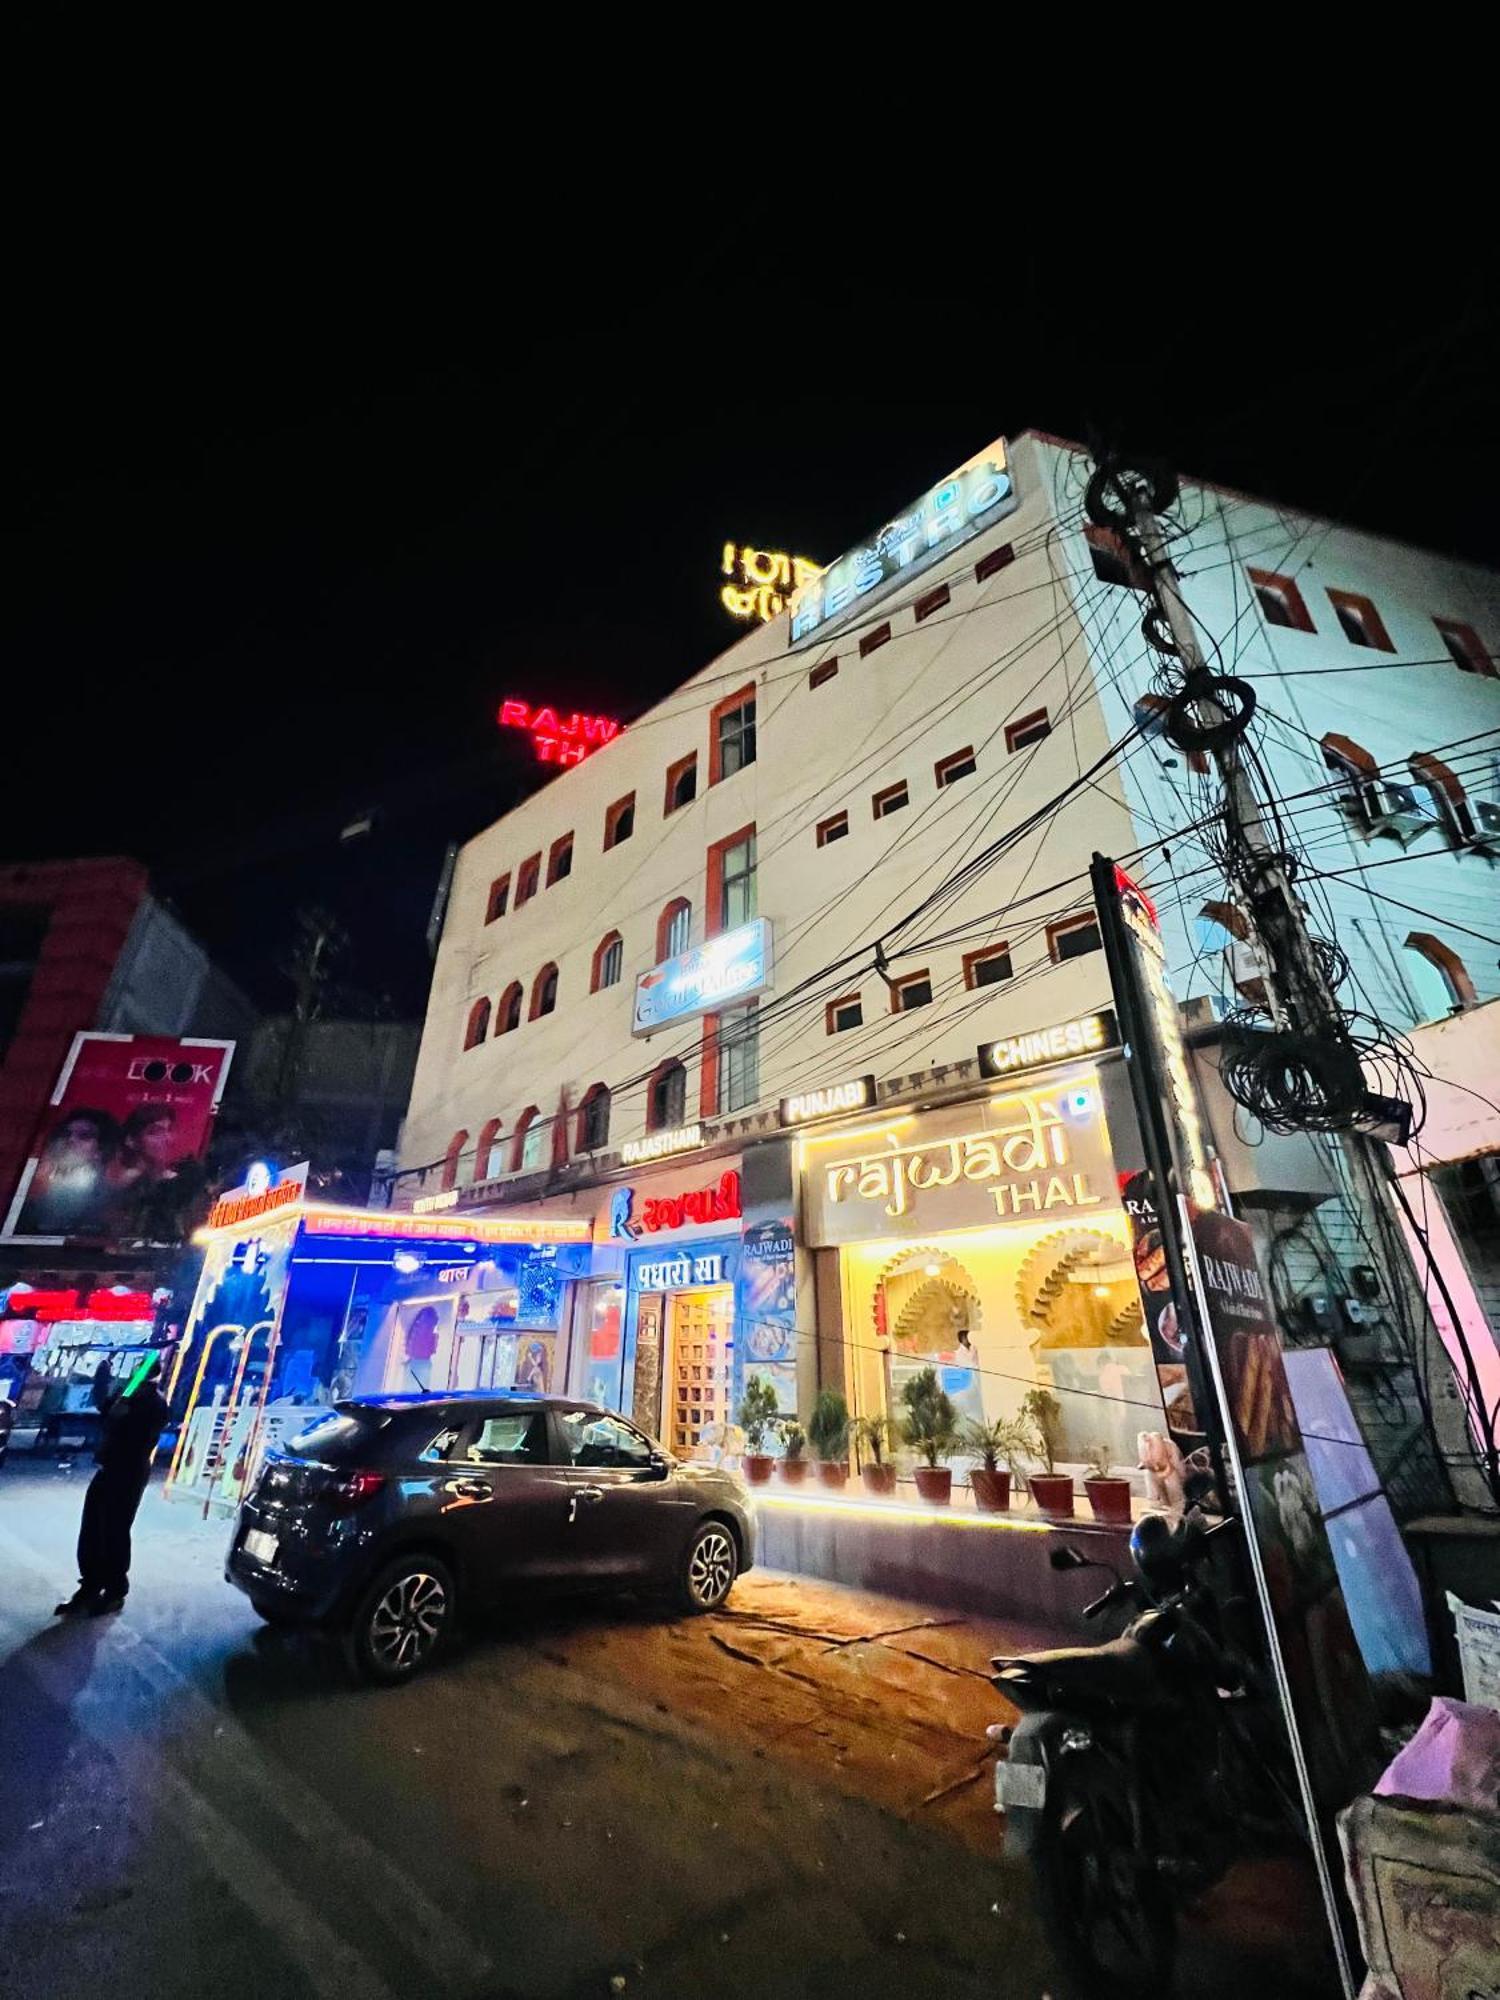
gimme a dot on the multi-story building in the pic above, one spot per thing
(854, 848)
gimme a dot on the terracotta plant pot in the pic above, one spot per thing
(1109, 1498)
(991, 1490)
(935, 1484)
(794, 1470)
(833, 1472)
(1053, 1493)
(879, 1479)
(757, 1467)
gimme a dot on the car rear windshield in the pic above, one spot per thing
(345, 1433)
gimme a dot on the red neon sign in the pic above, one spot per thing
(710, 1204)
(50, 1307)
(559, 739)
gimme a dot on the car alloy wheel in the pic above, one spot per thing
(711, 1567)
(407, 1622)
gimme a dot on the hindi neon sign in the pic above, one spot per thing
(558, 738)
(764, 580)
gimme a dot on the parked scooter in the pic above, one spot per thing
(1141, 1768)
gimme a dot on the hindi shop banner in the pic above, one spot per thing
(128, 1115)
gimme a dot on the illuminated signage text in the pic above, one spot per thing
(858, 1094)
(727, 968)
(255, 1199)
(429, 1204)
(719, 1203)
(660, 1145)
(1085, 1036)
(764, 580)
(559, 738)
(671, 1274)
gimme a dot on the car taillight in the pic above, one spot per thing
(356, 1489)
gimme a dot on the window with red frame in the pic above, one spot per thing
(731, 735)
(1075, 937)
(849, 1012)
(1361, 622)
(528, 875)
(1027, 729)
(593, 1120)
(960, 764)
(1112, 560)
(994, 562)
(1467, 649)
(560, 860)
(451, 1160)
(544, 992)
(508, 1013)
(914, 990)
(609, 962)
(619, 821)
(478, 1024)
(682, 783)
(988, 967)
(499, 898)
(891, 800)
(489, 1134)
(932, 600)
(835, 827)
(1280, 601)
(666, 1097)
(873, 641)
(674, 929)
(823, 671)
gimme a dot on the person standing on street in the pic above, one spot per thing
(132, 1424)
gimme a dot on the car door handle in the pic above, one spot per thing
(471, 1489)
(585, 1496)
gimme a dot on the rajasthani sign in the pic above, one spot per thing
(1026, 1155)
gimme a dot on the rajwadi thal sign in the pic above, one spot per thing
(1024, 1157)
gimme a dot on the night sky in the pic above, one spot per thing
(281, 530)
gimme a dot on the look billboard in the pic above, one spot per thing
(128, 1114)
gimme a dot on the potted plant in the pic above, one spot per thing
(1007, 1438)
(793, 1464)
(757, 1413)
(1051, 1490)
(828, 1433)
(930, 1427)
(1108, 1496)
(873, 1435)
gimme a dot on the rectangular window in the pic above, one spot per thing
(1112, 560)
(560, 860)
(1028, 729)
(934, 600)
(835, 827)
(499, 899)
(1361, 621)
(1074, 938)
(1466, 648)
(987, 967)
(527, 877)
(845, 1014)
(734, 738)
(737, 883)
(891, 800)
(682, 783)
(873, 641)
(1280, 600)
(994, 562)
(959, 765)
(915, 990)
(619, 821)
(823, 671)
(739, 1059)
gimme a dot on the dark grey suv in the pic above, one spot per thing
(387, 1515)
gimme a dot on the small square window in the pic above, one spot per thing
(959, 765)
(527, 878)
(915, 990)
(560, 860)
(1028, 729)
(1280, 600)
(934, 600)
(994, 562)
(499, 899)
(1466, 648)
(1361, 622)
(682, 782)
(1112, 560)
(845, 1014)
(823, 671)
(619, 821)
(892, 800)
(1075, 938)
(873, 641)
(988, 967)
(835, 827)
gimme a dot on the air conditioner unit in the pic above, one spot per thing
(1486, 829)
(1399, 810)
(1248, 966)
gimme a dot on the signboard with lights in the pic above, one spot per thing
(558, 738)
(764, 580)
(1085, 1035)
(258, 1195)
(432, 1204)
(726, 969)
(857, 1094)
(661, 1145)
(970, 500)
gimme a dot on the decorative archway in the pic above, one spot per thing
(1053, 1264)
(942, 1290)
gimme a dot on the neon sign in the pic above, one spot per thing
(719, 1203)
(1085, 1036)
(658, 1145)
(764, 580)
(858, 1094)
(968, 501)
(728, 967)
(558, 738)
(112, 1304)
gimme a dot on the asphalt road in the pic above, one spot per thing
(193, 1805)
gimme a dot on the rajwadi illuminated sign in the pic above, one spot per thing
(558, 738)
(857, 1094)
(1086, 1035)
(694, 1207)
(763, 580)
(726, 969)
(1024, 1156)
(974, 498)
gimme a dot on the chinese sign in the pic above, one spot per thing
(762, 580)
(559, 738)
(972, 499)
(1085, 1036)
(725, 969)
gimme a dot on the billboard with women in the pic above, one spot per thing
(129, 1117)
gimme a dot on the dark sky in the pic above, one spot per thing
(282, 527)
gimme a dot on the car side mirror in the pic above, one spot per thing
(660, 1464)
(1066, 1558)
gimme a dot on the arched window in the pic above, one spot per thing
(452, 1157)
(1348, 758)
(666, 1097)
(1445, 788)
(609, 962)
(527, 1140)
(489, 1132)
(508, 1013)
(593, 1119)
(673, 928)
(1441, 978)
(478, 1024)
(544, 992)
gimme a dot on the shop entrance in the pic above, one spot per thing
(683, 1358)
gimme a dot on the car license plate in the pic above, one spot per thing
(261, 1545)
(1022, 1785)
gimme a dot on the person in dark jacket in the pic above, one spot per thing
(132, 1424)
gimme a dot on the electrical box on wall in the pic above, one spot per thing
(1263, 1169)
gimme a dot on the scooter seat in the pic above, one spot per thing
(1121, 1670)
